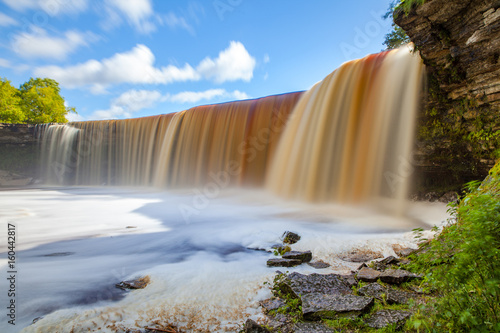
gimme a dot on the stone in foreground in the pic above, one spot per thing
(397, 276)
(367, 274)
(392, 296)
(320, 306)
(361, 256)
(297, 285)
(305, 256)
(383, 318)
(139, 283)
(319, 264)
(281, 262)
(272, 304)
(290, 237)
(312, 328)
(252, 327)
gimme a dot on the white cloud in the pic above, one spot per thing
(4, 63)
(125, 105)
(6, 20)
(138, 13)
(129, 102)
(38, 44)
(174, 21)
(74, 117)
(135, 100)
(266, 58)
(137, 66)
(196, 96)
(134, 66)
(51, 7)
(234, 63)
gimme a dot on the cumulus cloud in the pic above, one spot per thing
(137, 66)
(38, 44)
(196, 96)
(129, 102)
(234, 63)
(51, 7)
(138, 13)
(5, 20)
(125, 105)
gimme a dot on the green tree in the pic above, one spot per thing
(10, 109)
(397, 37)
(41, 102)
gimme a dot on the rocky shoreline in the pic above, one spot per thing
(374, 296)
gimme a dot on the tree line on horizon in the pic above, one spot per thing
(37, 101)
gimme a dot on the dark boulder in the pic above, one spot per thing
(252, 327)
(305, 256)
(322, 306)
(383, 318)
(318, 264)
(397, 276)
(367, 274)
(392, 296)
(281, 262)
(297, 285)
(290, 237)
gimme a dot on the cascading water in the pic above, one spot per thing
(344, 139)
(351, 132)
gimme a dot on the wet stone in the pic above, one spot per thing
(397, 276)
(298, 284)
(305, 256)
(383, 318)
(290, 237)
(404, 252)
(361, 257)
(280, 262)
(318, 264)
(367, 274)
(391, 260)
(312, 328)
(392, 296)
(272, 304)
(252, 327)
(322, 306)
(133, 284)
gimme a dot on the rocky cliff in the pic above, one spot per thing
(459, 41)
(19, 154)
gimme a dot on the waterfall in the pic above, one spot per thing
(352, 133)
(343, 140)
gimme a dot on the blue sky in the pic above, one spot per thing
(130, 58)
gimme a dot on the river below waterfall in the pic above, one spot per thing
(73, 244)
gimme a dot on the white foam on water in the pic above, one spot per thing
(74, 244)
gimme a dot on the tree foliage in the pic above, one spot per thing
(397, 37)
(35, 102)
(10, 103)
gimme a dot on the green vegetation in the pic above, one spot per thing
(35, 102)
(462, 265)
(293, 306)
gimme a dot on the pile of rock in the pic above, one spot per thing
(333, 296)
(291, 258)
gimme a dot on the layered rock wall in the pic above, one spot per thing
(459, 41)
